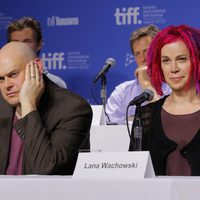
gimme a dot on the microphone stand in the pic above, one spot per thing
(104, 99)
(103, 92)
(137, 130)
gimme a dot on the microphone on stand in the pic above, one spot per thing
(137, 128)
(147, 95)
(102, 74)
(109, 63)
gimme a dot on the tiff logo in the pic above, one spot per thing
(54, 60)
(127, 16)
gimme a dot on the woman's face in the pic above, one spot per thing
(175, 64)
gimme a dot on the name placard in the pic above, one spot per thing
(114, 164)
(99, 117)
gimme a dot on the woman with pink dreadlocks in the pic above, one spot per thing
(171, 125)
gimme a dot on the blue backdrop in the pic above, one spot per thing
(79, 35)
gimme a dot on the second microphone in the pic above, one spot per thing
(109, 63)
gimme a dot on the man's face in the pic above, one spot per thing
(140, 48)
(27, 36)
(12, 73)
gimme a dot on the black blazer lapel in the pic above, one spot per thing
(6, 120)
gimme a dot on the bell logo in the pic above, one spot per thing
(51, 21)
(127, 16)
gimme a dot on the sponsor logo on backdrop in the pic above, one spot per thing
(4, 21)
(62, 61)
(62, 21)
(76, 60)
(54, 61)
(127, 16)
(154, 15)
(129, 59)
(140, 15)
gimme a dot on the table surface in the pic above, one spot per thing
(104, 138)
(66, 187)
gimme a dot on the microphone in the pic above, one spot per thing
(147, 95)
(109, 63)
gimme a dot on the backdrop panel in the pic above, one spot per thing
(80, 35)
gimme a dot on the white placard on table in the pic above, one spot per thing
(136, 164)
(99, 117)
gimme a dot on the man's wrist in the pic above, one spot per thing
(27, 108)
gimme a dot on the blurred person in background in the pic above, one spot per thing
(28, 30)
(128, 90)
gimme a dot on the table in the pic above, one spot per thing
(68, 188)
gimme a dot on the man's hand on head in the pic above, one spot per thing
(144, 80)
(32, 88)
(142, 76)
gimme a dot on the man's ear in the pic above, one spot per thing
(38, 61)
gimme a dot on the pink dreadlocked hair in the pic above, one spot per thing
(191, 37)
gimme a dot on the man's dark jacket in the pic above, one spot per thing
(52, 135)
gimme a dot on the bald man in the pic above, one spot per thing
(42, 126)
